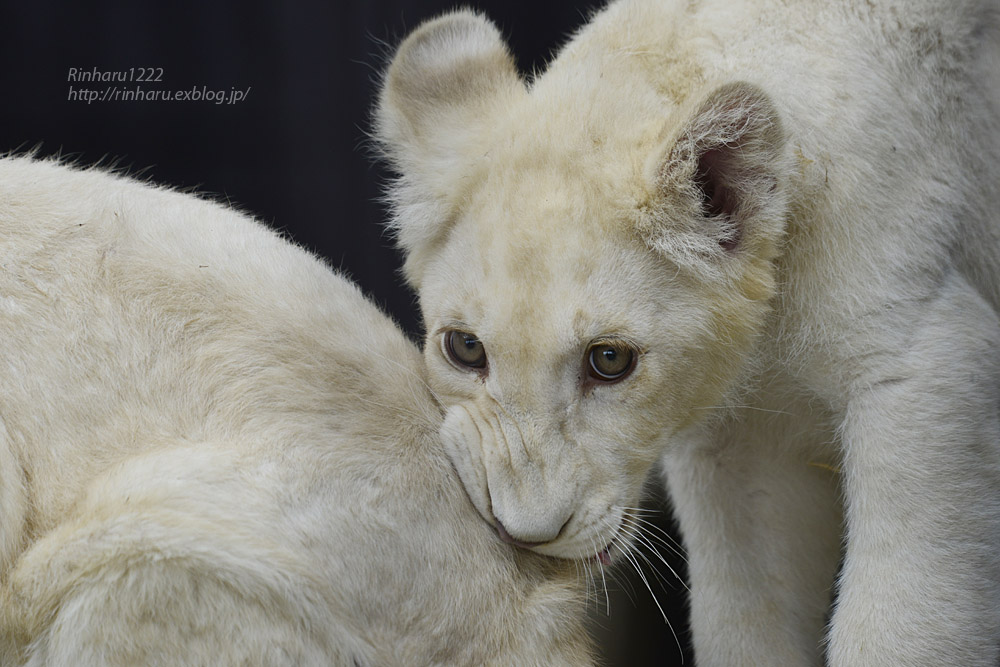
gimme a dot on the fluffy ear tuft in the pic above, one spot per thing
(442, 83)
(718, 182)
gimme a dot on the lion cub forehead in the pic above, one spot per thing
(548, 154)
(551, 199)
(531, 236)
(563, 281)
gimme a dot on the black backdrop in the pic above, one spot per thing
(293, 152)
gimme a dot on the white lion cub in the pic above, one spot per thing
(215, 451)
(758, 240)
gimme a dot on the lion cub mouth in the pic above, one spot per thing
(604, 556)
(506, 537)
(607, 555)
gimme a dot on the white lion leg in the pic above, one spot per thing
(759, 512)
(921, 436)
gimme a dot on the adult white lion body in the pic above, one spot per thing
(214, 450)
(757, 240)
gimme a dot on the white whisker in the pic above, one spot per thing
(643, 525)
(745, 407)
(667, 539)
(645, 541)
(591, 587)
(600, 567)
(624, 584)
(579, 574)
(645, 581)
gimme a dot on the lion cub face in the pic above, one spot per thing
(592, 264)
(546, 345)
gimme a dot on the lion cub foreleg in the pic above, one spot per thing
(921, 437)
(761, 521)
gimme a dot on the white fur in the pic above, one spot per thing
(819, 344)
(215, 451)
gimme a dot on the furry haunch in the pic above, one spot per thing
(215, 451)
(758, 242)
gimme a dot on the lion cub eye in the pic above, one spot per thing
(465, 350)
(610, 362)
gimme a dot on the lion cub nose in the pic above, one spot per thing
(526, 544)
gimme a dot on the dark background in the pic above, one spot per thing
(294, 153)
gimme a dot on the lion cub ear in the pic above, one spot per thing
(440, 87)
(718, 182)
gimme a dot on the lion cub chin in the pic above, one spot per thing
(757, 241)
(215, 451)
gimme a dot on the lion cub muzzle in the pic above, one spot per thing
(527, 494)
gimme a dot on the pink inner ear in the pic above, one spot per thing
(718, 196)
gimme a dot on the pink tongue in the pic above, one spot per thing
(604, 558)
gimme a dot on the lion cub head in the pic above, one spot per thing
(593, 260)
